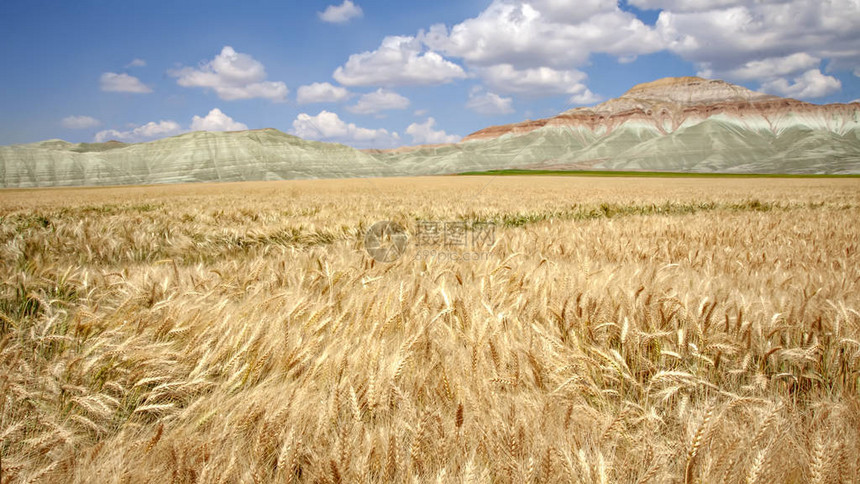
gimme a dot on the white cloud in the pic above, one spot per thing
(327, 126)
(572, 11)
(137, 63)
(275, 91)
(741, 38)
(556, 33)
(774, 67)
(489, 103)
(216, 121)
(340, 13)
(113, 82)
(425, 134)
(232, 75)
(533, 46)
(146, 132)
(379, 100)
(321, 92)
(420, 112)
(537, 46)
(686, 5)
(584, 97)
(810, 84)
(767, 41)
(80, 122)
(541, 80)
(399, 60)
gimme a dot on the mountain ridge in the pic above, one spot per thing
(658, 103)
(260, 154)
(672, 124)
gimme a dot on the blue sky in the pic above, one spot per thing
(373, 73)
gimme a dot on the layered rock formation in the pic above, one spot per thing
(673, 103)
(694, 124)
(676, 124)
(266, 154)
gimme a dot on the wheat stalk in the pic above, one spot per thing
(240, 333)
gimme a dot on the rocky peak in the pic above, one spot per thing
(693, 90)
(666, 104)
(677, 93)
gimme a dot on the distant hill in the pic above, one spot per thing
(685, 124)
(266, 154)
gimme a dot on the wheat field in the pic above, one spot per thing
(615, 330)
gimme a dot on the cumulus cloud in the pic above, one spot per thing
(540, 81)
(321, 92)
(379, 100)
(327, 126)
(528, 43)
(572, 11)
(774, 67)
(80, 122)
(774, 74)
(584, 97)
(146, 132)
(113, 82)
(769, 41)
(741, 39)
(555, 33)
(216, 121)
(232, 75)
(533, 47)
(810, 84)
(338, 14)
(137, 63)
(686, 5)
(399, 60)
(424, 133)
(489, 103)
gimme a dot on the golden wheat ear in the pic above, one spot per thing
(620, 330)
